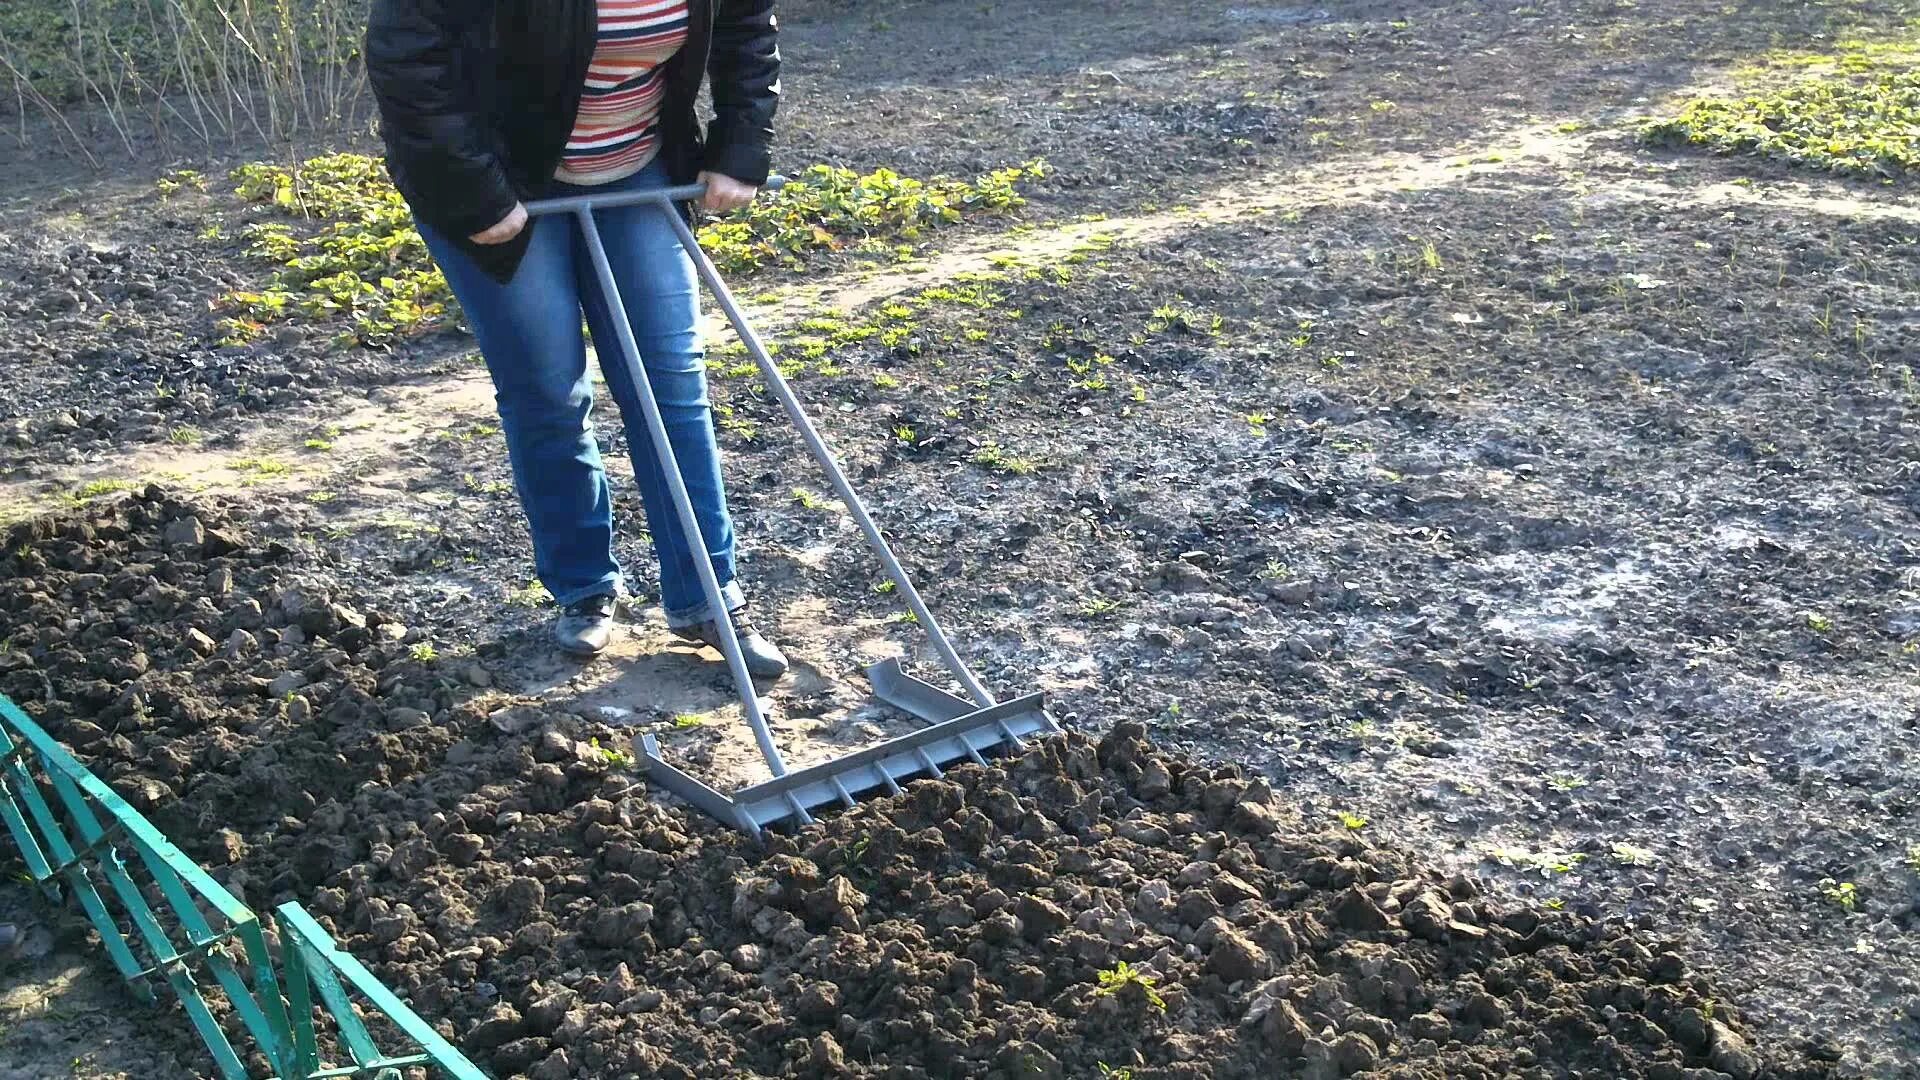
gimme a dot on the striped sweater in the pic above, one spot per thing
(615, 133)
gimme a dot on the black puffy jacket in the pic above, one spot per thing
(477, 98)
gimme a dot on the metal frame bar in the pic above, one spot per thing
(98, 824)
(954, 723)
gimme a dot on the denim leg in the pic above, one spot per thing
(660, 292)
(529, 334)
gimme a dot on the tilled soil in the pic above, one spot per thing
(506, 875)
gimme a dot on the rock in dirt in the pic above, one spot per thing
(1284, 1030)
(1355, 910)
(501, 1025)
(1235, 958)
(200, 644)
(516, 719)
(186, 534)
(818, 1003)
(1731, 1054)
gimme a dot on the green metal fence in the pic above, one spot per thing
(164, 922)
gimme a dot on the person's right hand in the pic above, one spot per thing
(506, 229)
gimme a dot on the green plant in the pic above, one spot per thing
(1818, 623)
(184, 435)
(688, 720)
(1353, 822)
(1122, 975)
(532, 594)
(1857, 122)
(991, 456)
(1840, 893)
(611, 755)
(1629, 855)
(809, 501)
(424, 652)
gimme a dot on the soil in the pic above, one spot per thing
(1534, 530)
(509, 878)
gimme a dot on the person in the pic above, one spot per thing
(485, 104)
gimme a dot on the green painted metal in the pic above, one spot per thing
(75, 834)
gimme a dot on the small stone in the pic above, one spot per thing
(200, 644)
(402, 718)
(187, 533)
(1284, 1030)
(1431, 1025)
(1354, 1052)
(502, 1025)
(286, 683)
(524, 896)
(1235, 958)
(1255, 818)
(825, 1056)
(221, 542)
(299, 710)
(1731, 1054)
(229, 846)
(544, 1016)
(748, 958)
(1355, 910)
(219, 581)
(557, 1066)
(1291, 592)
(838, 902)
(1154, 781)
(1230, 890)
(554, 746)
(246, 615)
(1029, 1061)
(819, 1003)
(1040, 918)
(514, 720)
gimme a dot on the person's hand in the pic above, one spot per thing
(506, 229)
(724, 193)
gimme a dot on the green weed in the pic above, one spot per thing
(1122, 975)
(1860, 120)
(990, 456)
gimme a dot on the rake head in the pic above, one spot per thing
(956, 732)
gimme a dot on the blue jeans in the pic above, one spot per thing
(529, 334)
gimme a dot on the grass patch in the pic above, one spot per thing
(341, 248)
(1859, 115)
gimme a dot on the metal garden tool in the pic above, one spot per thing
(956, 729)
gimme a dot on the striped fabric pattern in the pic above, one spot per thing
(615, 133)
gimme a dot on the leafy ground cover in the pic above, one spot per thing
(348, 251)
(1859, 115)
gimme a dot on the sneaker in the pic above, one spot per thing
(764, 661)
(586, 626)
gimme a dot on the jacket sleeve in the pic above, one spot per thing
(744, 65)
(433, 127)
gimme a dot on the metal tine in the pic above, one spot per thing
(840, 789)
(799, 809)
(928, 762)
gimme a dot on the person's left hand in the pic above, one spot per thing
(724, 193)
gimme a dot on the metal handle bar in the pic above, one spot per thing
(582, 208)
(573, 204)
